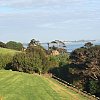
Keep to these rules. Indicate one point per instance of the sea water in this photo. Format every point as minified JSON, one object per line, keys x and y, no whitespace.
{"x":71,"y":46}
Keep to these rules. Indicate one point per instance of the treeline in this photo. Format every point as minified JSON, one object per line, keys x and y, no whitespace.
{"x":34,"y":59}
{"x":7,"y":58}
{"x":86,"y":65}
{"x":12,"y":45}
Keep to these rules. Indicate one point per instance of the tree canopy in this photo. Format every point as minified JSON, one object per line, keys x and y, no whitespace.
{"x":14,"y":45}
{"x":3,"y":45}
{"x":86,"y":67}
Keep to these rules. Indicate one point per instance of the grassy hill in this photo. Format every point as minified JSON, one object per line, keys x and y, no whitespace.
{"x":6,"y":56}
{"x":7,"y":51}
{"x":22,"y":86}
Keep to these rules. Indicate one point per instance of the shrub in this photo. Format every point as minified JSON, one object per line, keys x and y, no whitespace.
{"x":14,"y":45}
{"x":5,"y":61}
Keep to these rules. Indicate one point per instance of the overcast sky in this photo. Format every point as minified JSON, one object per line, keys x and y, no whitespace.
{"x":47,"y":20}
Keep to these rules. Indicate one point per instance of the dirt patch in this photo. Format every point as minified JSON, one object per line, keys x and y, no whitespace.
{"x":1,"y":98}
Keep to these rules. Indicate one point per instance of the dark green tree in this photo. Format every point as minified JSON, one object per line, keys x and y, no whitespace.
{"x":5,"y":61}
{"x":86,"y":67}
{"x":3,"y":45}
{"x":88,"y":45}
{"x":14,"y":45}
{"x":33,"y":60}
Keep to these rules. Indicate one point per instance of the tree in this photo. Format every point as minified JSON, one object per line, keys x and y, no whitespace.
{"x":86,"y":61}
{"x":24,"y":63}
{"x":5,"y":61}
{"x":93,"y":86}
{"x":58,"y":43}
{"x":3,"y":45}
{"x":33,"y":42}
{"x":48,"y":45}
{"x":33,"y":60}
{"x":86,"y":67}
{"x":88,"y":45}
{"x":14,"y":45}
{"x":39,"y":58}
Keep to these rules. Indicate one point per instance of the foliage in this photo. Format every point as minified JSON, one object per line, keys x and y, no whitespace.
{"x":3,"y":45}
{"x":22,"y":62}
{"x":40,"y":58}
{"x":59,"y":60}
{"x":88,"y":45}
{"x":33,"y":60}
{"x":6,"y":56}
{"x":53,"y":48}
{"x":8,"y":51}
{"x":5,"y":60}
{"x":14,"y":45}
{"x":93,"y":86}
{"x":59,"y":66}
{"x":87,"y":61}
{"x":86,"y":65}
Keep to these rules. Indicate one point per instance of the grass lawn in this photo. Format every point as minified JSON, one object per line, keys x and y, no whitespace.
{"x":8,"y":51}
{"x":22,"y":86}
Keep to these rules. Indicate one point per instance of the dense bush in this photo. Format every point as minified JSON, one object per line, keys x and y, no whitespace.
{"x":83,"y":69}
{"x":59,"y":66}
{"x":86,"y":61}
{"x":3,"y":45}
{"x":86,"y":66}
{"x":14,"y":45}
{"x":59,"y":60}
{"x":33,"y":60}
{"x":22,"y":62}
{"x":5,"y":61}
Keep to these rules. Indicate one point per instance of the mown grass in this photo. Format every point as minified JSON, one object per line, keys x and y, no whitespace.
{"x":8,"y":51}
{"x":21,"y":86}
{"x":72,"y":95}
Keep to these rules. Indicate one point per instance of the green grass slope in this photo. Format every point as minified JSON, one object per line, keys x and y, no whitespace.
{"x":7,"y":51}
{"x":21,"y":86}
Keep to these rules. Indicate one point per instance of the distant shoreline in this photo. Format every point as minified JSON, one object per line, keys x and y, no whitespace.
{"x":70,"y":46}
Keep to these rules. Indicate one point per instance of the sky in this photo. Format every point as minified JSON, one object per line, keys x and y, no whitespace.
{"x":47,"y":20}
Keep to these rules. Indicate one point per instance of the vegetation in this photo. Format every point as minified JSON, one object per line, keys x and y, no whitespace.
{"x":3,"y":45}
{"x":8,"y":51}
{"x":14,"y":45}
{"x":81,"y":68}
{"x":21,"y":86}
{"x":86,"y":65}
{"x":33,"y":60}
{"x":6,"y":57}
{"x":58,"y":60}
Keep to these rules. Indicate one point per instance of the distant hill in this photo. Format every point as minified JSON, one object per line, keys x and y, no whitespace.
{"x":22,"y":86}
